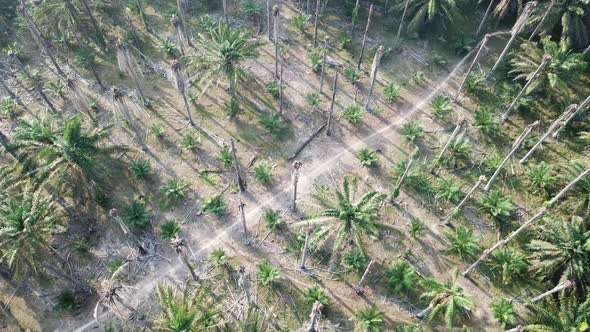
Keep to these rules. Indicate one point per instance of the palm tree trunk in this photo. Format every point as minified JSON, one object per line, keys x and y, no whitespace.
{"x":243,"y":282}
{"x":401,"y":24}
{"x":365,"y":38}
{"x":97,"y":77}
{"x":358,"y":288}
{"x":268,"y":20}
{"x":424,"y":313}
{"x":460,"y":124}
{"x":544,"y":63}
{"x":401,"y":180}
{"x":306,"y":248}
{"x":516,"y":29}
{"x":543,"y":18}
{"x":239,"y":179}
{"x":186,"y":262}
{"x":315,"y":23}
{"x":97,"y":31}
{"x":515,"y":147}
{"x":11,"y":93}
{"x":570,"y":117}
{"x":38,"y":85}
{"x":564,"y":285}
{"x":472,"y":65}
{"x":374,"y":69}
{"x":570,"y":109}
{"x":225,"y":14}
{"x":355,"y":12}
{"x":120,"y":105}
{"x":323,"y":72}
{"x":296,"y":166}
{"x":524,"y":226}
{"x":485,"y":18}
{"x":334,"y":89}
{"x":316,"y":311}
{"x":275,"y":11}
{"x":586,"y":50}
{"x":243,"y":218}
{"x":457,"y":208}
{"x":281,"y":90}
{"x":41,"y":42}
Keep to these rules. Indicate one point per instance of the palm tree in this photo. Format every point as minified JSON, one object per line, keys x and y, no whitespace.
{"x":560,"y":78}
{"x":568,"y":18}
{"x":565,"y":314}
{"x":67,"y":153}
{"x":506,"y":8}
{"x":504,"y":313}
{"x":463,"y":243}
{"x":499,"y":206}
{"x":582,"y":188}
{"x":193,"y":310}
{"x":447,"y":300}
{"x":224,"y":49}
{"x":449,"y":190}
{"x":28,"y":220}
{"x":369,"y":320}
{"x":560,"y":253}
{"x":511,"y":263}
{"x":60,"y":19}
{"x":430,"y":13}
{"x":401,"y":277}
{"x":266,"y":275}
{"x":345,"y":216}
{"x":541,"y":177}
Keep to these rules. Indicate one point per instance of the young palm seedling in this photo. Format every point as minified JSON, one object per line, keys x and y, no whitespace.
{"x":367,"y":157}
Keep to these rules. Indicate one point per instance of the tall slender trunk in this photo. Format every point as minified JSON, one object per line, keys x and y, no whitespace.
{"x":97,"y":77}
{"x":472,"y":65}
{"x":355,"y":13}
{"x":268,"y":20}
{"x":315,"y":23}
{"x":97,"y":30}
{"x":401,"y":24}
{"x":358,"y":288}
{"x":178,"y":244}
{"x":239,"y":179}
{"x":334,"y":89}
{"x":180,"y":84}
{"x":563,"y":285}
{"x":243,"y":282}
{"x":365,"y":38}
{"x":314,"y":317}
{"x":570,"y":109}
{"x":225,"y":14}
{"x":38,"y":85}
{"x":586,"y":50}
{"x":460,"y":124}
{"x":515,"y":147}
{"x":141,"y":13}
{"x":524,"y":226}
{"x":374,"y":70}
{"x":485,"y":18}
{"x":457,"y":208}
{"x":543,"y":18}
{"x":41,"y":42}
{"x":120,"y":105}
{"x":306,"y":248}
{"x":570,"y":117}
{"x":243,"y":219}
{"x":402,"y":178}
{"x":516,"y":29}
{"x":296,"y":166}
{"x":281,"y":90}
{"x":128,"y":64}
{"x":275,"y":11}
{"x":542,"y":65}
{"x":324,"y":59}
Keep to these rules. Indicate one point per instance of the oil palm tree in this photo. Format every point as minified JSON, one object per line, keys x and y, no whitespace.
{"x":446,"y":300}
{"x":463,"y":243}
{"x":568,"y":18}
{"x":60,"y":19}
{"x":28,"y":220}
{"x":561,"y":251}
{"x":565,"y":314}
{"x":582,"y":188}
{"x":499,"y":206}
{"x":401,"y":277}
{"x":430,"y":13}
{"x":345,"y":216}
{"x":560,"y":79}
{"x":510,"y":263}
{"x":67,"y":152}
{"x":504,"y":313}
{"x":223,"y":51}
{"x":541,"y":177}
{"x":192,"y":310}
{"x":369,"y":320}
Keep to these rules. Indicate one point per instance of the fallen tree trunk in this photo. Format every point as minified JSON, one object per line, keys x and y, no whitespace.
{"x":307,"y":141}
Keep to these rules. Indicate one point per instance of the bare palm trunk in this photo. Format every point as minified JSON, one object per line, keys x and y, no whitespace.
{"x":358,"y":288}
{"x":485,"y":18}
{"x":543,"y":18}
{"x":243,"y":219}
{"x":365,"y":38}
{"x":97,"y":30}
{"x":315,"y":23}
{"x":355,"y":12}
{"x":544,"y":63}
{"x":239,"y":179}
{"x":141,"y":13}
{"x":563,"y":285}
{"x":314,"y":317}
{"x":225,"y":14}
{"x":281,"y":90}
{"x":570,"y":117}
{"x":178,"y":244}
{"x":515,"y":147}
{"x":402,"y":178}
{"x":570,"y":109}
{"x":374,"y":70}
{"x":460,"y":124}
{"x":457,"y":208}
{"x":41,"y":42}
{"x":586,"y":50}
{"x":275,"y":11}
{"x":334,"y":89}
{"x":472,"y":65}
{"x":243,"y":282}
{"x":524,"y":226}
{"x":180,"y":84}
{"x":296,"y":166}
{"x":323,"y":72}
{"x":120,"y":105}
{"x":128,"y":64}
{"x":268,"y":19}
{"x":36,"y":84}
{"x":306,"y":249}
{"x":516,"y":29}
{"x":424,"y":313}
{"x":11,"y":93}
{"x":401,"y":24}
